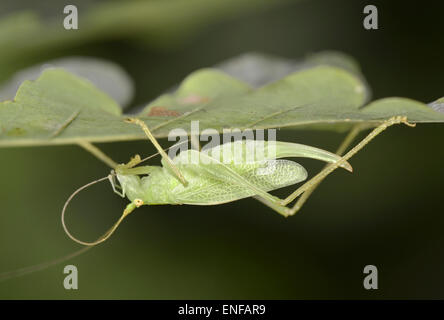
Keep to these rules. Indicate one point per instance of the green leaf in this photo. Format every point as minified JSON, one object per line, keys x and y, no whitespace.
{"x":300,"y":98}
{"x":258,"y":69}
{"x":45,"y":109}
{"x":60,"y":108}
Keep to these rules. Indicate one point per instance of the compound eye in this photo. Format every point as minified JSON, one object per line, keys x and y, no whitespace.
{"x":138,"y":202}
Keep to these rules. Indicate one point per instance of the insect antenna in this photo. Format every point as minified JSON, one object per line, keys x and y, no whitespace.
{"x":127,"y":210}
{"x":66,"y":205}
{"x":42,"y":266}
{"x":158,"y":153}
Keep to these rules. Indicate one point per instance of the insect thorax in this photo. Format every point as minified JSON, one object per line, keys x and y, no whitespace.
{"x":152,"y":189}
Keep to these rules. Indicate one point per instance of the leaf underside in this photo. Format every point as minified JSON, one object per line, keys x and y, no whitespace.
{"x":60,"y":108}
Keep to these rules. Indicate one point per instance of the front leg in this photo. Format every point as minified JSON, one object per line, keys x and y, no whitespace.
{"x":115,"y":186}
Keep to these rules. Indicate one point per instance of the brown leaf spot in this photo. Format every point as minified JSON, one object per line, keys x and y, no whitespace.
{"x":162,"y":112}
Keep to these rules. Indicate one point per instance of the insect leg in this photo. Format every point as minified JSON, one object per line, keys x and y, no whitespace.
{"x":283,"y":210}
{"x":153,"y":140}
{"x":99,"y":154}
{"x":136,"y":171}
{"x":134,"y":161}
{"x":309,"y":186}
{"x":112,"y":180}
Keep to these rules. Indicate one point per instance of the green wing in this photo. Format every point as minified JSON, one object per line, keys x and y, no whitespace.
{"x":248,"y":151}
{"x":208,"y":186}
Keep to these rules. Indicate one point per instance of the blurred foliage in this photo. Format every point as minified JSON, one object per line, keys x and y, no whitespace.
{"x":24,"y":36}
{"x":388,"y":213}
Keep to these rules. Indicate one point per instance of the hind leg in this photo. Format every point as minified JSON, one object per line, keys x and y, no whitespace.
{"x":281,"y":206}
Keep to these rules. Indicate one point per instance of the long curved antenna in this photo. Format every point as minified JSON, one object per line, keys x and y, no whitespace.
{"x":129,"y":208}
{"x":42,"y":266}
{"x":69,"y":200}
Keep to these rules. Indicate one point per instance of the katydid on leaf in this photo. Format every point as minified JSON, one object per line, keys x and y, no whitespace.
{"x":213,"y":180}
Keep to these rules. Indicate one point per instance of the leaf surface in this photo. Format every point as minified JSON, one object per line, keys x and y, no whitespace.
{"x":60,"y":108}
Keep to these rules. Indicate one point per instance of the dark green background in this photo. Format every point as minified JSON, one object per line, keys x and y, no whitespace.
{"x":389,"y":212}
